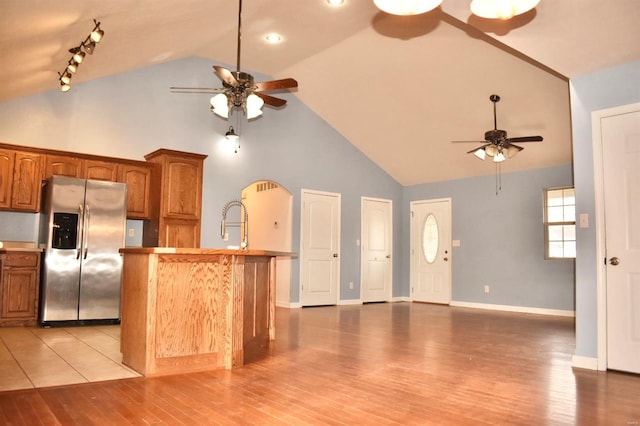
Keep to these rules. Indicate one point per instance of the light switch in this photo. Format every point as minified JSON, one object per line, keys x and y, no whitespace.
{"x":584,"y":220}
{"x":455,"y":243}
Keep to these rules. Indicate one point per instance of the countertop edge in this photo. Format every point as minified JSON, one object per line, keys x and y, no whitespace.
{"x":205,"y":251}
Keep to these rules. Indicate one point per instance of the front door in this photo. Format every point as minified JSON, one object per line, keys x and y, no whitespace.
{"x":431,"y":251}
{"x":621,"y":178}
{"x":376,"y":269}
{"x":320,"y":242}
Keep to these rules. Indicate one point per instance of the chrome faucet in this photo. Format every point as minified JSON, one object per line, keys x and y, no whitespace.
{"x":244,"y":223}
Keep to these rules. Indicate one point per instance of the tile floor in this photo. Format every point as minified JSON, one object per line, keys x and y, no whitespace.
{"x":33,"y":357}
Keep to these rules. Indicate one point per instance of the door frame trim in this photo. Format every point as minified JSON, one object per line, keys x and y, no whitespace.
{"x":338,"y":195}
{"x":389,"y":296}
{"x":598,"y":180}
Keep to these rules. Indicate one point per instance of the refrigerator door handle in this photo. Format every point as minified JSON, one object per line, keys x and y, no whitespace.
{"x":79,"y":232}
{"x":86,"y":231}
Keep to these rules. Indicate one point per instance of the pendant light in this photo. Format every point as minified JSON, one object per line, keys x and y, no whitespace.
{"x":501,"y":9}
{"x":407,"y":7}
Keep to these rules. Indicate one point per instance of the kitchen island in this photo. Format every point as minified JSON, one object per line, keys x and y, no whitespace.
{"x":191,"y":309}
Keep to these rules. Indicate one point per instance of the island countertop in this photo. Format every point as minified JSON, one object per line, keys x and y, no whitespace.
{"x":195,"y":309}
{"x":205,"y":251}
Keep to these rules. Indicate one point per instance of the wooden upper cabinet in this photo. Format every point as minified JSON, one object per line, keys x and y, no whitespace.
{"x":176,"y":199}
{"x":27,"y":182}
{"x":7,"y":158}
{"x":63,"y":166}
{"x":183,"y":179}
{"x":138,"y":180}
{"x":100,"y":170}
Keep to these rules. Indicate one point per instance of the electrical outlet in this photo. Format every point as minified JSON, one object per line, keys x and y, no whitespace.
{"x":351,"y":285}
{"x":486,"y":288}
{"x":132,"y":232}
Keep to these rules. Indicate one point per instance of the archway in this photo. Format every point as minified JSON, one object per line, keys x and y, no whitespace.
{"x":270,"y":209}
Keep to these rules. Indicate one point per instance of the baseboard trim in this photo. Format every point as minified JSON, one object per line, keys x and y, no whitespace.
{"x":585,"y":362}
{"x":401,"y":299}
{"x":508,"y":308}
{"x":294,"y":305}
{"x":350,"y":302}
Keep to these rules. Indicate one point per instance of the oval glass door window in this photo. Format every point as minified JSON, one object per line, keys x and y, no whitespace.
{"x":430,"y":238}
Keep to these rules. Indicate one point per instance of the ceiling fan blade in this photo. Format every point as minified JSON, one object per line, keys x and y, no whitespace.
{"x":468,"y":141}
{"x":271,"y":100}
{"x":526,"y":139}
{"x":226,"y":76}
{"x":285,"y":83}
{"x":195,"y":89}
{"x":480,"y":147}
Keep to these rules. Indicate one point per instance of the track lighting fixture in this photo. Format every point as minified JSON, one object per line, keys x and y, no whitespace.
{"x":78,"y":53}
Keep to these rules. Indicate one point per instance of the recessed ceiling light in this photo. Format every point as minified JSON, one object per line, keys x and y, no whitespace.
{"x":335,"y":2}
{"x":273,"y":38}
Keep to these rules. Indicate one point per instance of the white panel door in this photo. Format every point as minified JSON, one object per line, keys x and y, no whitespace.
{"x":319,"y":261}
{"x":621,"y":171}
{"x":376,"y":239}
{"x":431,"y":251}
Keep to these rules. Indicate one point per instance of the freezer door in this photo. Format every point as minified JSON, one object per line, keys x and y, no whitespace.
{"x":104,"y":233}
{"x":61,"y":272}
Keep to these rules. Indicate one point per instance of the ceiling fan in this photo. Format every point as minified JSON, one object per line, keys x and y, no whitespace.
{"x":496,"y":142}
{"x":239,"y":90}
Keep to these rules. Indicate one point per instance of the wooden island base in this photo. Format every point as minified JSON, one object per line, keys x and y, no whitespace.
{"x":186,"y":310}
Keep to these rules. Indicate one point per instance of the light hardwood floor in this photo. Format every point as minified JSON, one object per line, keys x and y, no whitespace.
{"x":382,"y":364}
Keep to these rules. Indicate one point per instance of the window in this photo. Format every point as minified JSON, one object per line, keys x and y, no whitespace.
{"x":560,"y":223}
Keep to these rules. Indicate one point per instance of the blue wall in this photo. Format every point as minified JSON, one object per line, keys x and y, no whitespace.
{"x":501,"y":239}
{"x":604,"y":89}
{"x":129,"y":115}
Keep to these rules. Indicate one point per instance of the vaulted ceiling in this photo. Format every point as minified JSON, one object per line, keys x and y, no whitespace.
{"x":399,"y":88}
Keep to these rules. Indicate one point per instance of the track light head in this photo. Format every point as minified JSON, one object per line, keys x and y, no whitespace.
{"x":97,"y":33}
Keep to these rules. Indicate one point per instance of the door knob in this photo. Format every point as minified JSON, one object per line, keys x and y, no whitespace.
{"x":446,"y":259}
{"x":335,"y":254}
{"x":388,"y":256}
{"x":614,"y":261}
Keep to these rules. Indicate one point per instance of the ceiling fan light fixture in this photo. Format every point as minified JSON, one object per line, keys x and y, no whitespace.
{"x":406,"y":7}
{"x":220,"y":105}
{"x":480,"y":153}
{"x":254,"y":106}
{"x":231,"y":135}
{"x":501,"y":9}
{"x":513,"y":150}
{"x":499,"y":157}
{"x":492,"y":150}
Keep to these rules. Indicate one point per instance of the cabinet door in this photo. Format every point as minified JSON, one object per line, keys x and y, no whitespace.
{"x":138,"y":180}
{"x":7,"y":158}
{"x":101,"y":170}
{"x":183,"y":182}
{"x":27,"y":182}
{"x":180,"y":233}
{"x":63,"y":166}
{"x":19,"y":287}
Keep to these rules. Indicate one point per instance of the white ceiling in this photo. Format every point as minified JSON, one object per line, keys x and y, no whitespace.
{"x":398,"y":88}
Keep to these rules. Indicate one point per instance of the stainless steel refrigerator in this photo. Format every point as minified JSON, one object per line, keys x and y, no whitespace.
{"x":82,"y":228}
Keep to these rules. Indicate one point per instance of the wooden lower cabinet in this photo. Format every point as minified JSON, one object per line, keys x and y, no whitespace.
{"x":19,"y":288}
